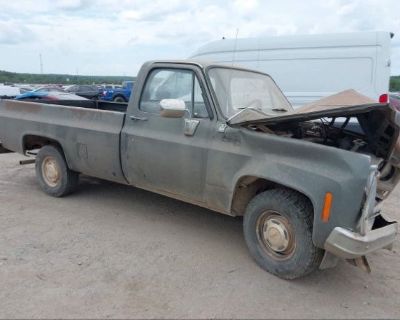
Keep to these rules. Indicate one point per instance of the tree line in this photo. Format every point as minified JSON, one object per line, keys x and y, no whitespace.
{"x":13,"y":77}
{"x":395,"y":83}
{"x":31,"y":78}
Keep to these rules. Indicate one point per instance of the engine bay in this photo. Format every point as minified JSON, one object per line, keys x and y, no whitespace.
{"x":372,"y":133}
{"x":325,"y":131}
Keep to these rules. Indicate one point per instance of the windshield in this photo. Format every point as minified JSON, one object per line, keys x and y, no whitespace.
{"x":237,"y":90}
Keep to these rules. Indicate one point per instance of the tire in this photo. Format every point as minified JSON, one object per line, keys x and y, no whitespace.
{"x":119,"y":99}
{"x":53,"y":174}
{"x":278,"y":231}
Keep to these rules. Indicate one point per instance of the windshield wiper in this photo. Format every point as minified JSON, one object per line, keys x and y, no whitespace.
{"x":261,"y":109}
{"x":246,"y":114}
{"x":241,"y":108}
{"x":279,"y":110}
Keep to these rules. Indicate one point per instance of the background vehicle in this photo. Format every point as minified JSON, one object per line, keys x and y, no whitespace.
{"x":227,"y":139}
{"x":24,"y":88}
{"x":118,"y":94}
{"x":8,"y":91}
{"x":49,"y":88}
{"x":86,"y":91}
{"x":109,"y":86}
{"x":309,"y":67}
{"x":49,"y":94}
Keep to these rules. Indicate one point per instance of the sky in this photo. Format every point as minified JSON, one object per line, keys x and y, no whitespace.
{"x":108,"y":37}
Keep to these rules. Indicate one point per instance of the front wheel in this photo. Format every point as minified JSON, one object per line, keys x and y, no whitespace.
{"x":278,"y":231}
{"x":52,"y":172}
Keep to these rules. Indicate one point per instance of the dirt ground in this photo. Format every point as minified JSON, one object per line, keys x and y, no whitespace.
{"x":112,"y":251}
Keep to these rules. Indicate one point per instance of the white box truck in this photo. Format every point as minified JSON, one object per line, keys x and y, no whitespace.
{"x":310,"y":67}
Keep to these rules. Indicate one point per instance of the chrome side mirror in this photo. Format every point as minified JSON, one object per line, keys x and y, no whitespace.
{"x":172,"y":108}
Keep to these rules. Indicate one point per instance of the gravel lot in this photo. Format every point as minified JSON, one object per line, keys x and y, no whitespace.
{"x":119,"y":252}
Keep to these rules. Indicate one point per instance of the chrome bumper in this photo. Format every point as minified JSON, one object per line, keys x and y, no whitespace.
{"x":350,"y":245}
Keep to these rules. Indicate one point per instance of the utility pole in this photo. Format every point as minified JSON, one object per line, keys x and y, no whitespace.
{"x":41,"y":63}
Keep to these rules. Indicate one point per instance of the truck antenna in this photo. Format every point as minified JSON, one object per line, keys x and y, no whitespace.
{"x":234,"y":47}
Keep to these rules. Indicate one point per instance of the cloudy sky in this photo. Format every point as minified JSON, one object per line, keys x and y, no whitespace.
{"x":114,"y":37}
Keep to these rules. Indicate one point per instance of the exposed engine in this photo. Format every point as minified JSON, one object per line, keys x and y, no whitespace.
{"x":370,"y":133}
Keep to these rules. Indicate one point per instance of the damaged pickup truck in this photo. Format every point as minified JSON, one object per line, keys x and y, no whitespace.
{"x":309,"y":183}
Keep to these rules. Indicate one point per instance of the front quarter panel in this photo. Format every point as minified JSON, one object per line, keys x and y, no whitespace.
{"x":307,"y":167}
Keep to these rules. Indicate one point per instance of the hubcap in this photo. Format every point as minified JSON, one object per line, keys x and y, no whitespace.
{"x":275,"y":234}
{"x":51,"y":171}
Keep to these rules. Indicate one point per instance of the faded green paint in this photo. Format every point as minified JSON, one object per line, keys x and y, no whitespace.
{"x":204,"y":169}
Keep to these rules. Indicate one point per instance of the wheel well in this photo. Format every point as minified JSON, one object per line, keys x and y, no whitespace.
{"x":248,"y":187}
{"x":32,"y":142}
{"x":119,"y":96}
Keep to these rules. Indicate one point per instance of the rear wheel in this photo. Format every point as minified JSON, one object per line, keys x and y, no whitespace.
{"x":278,"y":231}
{"x":53,"y":174}
{"x":119,"y":99}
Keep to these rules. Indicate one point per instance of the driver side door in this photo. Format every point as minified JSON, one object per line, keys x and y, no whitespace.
{"x":169,"y":155}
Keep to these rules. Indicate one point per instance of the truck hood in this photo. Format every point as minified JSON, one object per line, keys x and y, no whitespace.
{"x":343,"y":104}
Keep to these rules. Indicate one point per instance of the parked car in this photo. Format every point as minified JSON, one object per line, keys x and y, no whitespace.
{"x":42,"y":94}
{"x":49,"y":88}
{"x":86,"y":91}
{"x":227,"y":139}
{"x":7,"y":91}
{"x":25,"y":89}
{"x":118,"y":94}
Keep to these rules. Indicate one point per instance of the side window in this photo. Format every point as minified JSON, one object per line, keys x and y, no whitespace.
{"x":173,"y":84}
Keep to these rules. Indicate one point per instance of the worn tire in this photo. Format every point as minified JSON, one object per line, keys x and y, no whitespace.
{"x":296,"y":211}
{"x":59,"y":179}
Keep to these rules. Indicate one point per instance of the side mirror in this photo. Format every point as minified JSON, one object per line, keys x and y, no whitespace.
{"x":172,"y":108}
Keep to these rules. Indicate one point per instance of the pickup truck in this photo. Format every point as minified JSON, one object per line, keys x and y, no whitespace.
{"x":226,"y":138}
{"x":121,"y":94}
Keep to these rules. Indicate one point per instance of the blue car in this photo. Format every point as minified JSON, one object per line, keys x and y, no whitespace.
{"x":118,"y":94}
{"x":48,"y":93}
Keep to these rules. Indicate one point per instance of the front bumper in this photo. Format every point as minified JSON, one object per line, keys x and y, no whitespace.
{"x":347,"y":244}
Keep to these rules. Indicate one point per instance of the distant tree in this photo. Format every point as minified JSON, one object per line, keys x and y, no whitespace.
{"x":395,"y":83}
{"x":12,"y":77}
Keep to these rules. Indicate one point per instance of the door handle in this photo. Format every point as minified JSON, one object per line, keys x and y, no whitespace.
{"x":138,"y":118}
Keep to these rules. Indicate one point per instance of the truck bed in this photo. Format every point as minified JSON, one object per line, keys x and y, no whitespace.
{"x":89,"y":104}
{"x":86,"y":130}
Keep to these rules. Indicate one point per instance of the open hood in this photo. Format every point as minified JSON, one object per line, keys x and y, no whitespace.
{"x":343,"y":104}
{"x":375,"y":133}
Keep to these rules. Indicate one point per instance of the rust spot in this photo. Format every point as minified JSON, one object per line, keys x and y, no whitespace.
{"x":20,"y":106}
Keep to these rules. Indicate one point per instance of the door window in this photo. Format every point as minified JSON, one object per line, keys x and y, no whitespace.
{"x":173,"y":84}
